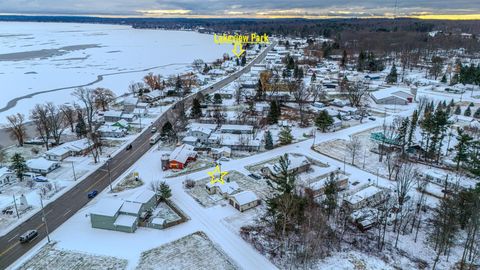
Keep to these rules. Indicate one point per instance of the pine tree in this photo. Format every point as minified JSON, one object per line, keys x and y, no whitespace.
{"x":458,"y":110}
{"x":81,"y":127}
{"x":268,"y":140}
{"x":272,"y":117}
{"x":165,"y":191}
{"x":402,"y":133}
{"x":343,"y":62}
{"x":462,"y":147}
{"x":285,"y":136}
{"x":392,"y":76}
{"x":468,"y":111}
{"x":323,"y":121}
{"x":444,"y":79}
{"x":413,"y":127}
{"x":361,"y":61}
{"x":244,"y":59}
{"x":196,"y":111}
{"x":331,"y":194}
{"x":477,"y":113}
{"x":314,"y":77}
{"x":217,"y":98}
{"x":259,"y":93}
{"x":178,"y":84}
{"x":18,"y":165}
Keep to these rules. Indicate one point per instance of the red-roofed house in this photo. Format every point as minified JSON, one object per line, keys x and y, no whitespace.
{"x":181,"y":156}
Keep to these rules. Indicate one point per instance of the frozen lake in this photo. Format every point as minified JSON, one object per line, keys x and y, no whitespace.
{"x":41,"y":57}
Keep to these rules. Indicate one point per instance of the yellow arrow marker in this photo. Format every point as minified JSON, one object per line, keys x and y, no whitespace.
{"x":237,"y":49}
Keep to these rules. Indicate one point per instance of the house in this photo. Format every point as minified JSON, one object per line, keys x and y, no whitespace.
{"x":201,"y":131}
{"x":236,"y":129}
{"x":112,"y":116}
{"x":122,"y":124}
{"x":190,"y":140}
{"x":153,"y":96}
{"x":244,"y":200}
{"x":217,"y":153}
{"x":6,"y":176}
{"x":368,"y":196}
{"x":226,"y":189}
{"x":129,"y":104}
{"x":299,"y":164}
{"x":73,"y":148}
{"x":140,"y":112}
{"x":130,"y":117}
{"x":111,"y":131}
{"x":393,"y":96}
{"x":318,"y":187}
{"x":107,"y":215}
{"x":180,"y":157}
{"x":42,"y":165}
{"x":239,"y":142}
{"x":146,"y":198}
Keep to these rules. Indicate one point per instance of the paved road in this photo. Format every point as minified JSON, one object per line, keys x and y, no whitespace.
{"x":73,"y":200}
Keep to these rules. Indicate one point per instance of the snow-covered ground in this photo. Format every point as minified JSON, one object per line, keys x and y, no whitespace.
{"x":36,"y":57}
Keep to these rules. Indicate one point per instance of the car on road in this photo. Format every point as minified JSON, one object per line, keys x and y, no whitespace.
{"x":372,"y":118}
{"x":40,"y":178}
{"x":128,"y":147}
{"x":211,"y":87}
{"x":28,"y":236}
{"x":153,"y":129}
{"x":92,"y":194}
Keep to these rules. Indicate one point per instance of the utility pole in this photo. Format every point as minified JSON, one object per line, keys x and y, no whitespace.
{"x":16,"y":209}
{"x":44,"y":219}
{"x":74,"y":174}
{"x":109,"y":175}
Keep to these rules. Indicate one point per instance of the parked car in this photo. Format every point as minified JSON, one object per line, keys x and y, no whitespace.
{"x":372,"y":118}
{"x":40,"y":178}
{"x":224,"y":159}
{"x":92,"y":194}
{"x":28,"y":236}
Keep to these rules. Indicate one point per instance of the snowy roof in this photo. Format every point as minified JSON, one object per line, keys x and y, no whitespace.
{"x":78,"y":145}
{"x":221,"y":150}
{"x":107,"y":207}
{"x":399,"y":92}
{"x":109,"y":128}
{"x":229,"y":187}
{"x":245,"y":197}
{"x":142,"y":196}
{"x":40,"y":164}
{"x":190,"y":139}
{"x":236,"y":127}
{"x":158,"y":221}
{"x":363,"y":194}
{"x":122,"y":122}
{"x":58,"y":151}
{"x":130,"y":100}
{"x":204,"y":128}
{"x":228,"y":139}
{"x":295,"y":163}
{"x":125,"y":220}
{"x":182,"y":153}
{"x":4,"y":170}
{"x":112,"y":113}
{"x":131,"y":207}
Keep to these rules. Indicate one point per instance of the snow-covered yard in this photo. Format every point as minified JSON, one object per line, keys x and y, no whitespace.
{"x":194,"y":251}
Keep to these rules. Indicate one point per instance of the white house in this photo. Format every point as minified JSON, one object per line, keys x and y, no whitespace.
{"x":236,"y":129}
{"x":201,"y":131}
{"x":41,"y":165}
{"x":244,"y":200}
{"x":393,"y":95}
{"x":112,"y":131}
{"x":6,"y":176}
{"x":73,"y":148}
{"x":368,"y":196}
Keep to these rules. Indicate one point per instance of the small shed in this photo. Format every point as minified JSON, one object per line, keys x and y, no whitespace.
{"x":125,"y":223}
{"x":244,"y":200}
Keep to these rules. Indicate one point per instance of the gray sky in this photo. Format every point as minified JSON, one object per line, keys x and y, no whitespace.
{"x":241,"y":8}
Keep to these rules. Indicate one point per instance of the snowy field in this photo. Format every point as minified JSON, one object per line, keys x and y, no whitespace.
{"x":38,"y":57}
{"x":194,"y":251}
{"x":52,"y":258}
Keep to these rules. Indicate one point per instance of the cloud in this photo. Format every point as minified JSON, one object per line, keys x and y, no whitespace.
{"x":244,"y":8}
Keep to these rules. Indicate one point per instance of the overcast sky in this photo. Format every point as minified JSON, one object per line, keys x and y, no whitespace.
{"x":241,"y":8}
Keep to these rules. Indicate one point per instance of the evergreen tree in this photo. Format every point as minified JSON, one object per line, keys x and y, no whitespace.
{"x":217,"y":98}
{"x":244,"y":60}
{"x":165,"y":191}
{"x":402,"y":133}
{"x":468,"y":111}
{"x":259,"y":93}
{"x":18,"y":165}
{"x":331,"y":194}
{"x":452,"y":103}
{"x":323,"y":121}
{"x":314,"y":77}
{"x":237,"y":62}
{"x":444,"y":79}
{"x":413,"y":127}
{"x":458,"y":110}
{"x":392,"y":76}
{"x":343,"y":62}
{"x":362,"y":58}
{"x":268,"y":140}
{"x":178,"y":84}
{"x":477,"y":113}
{"x":285,"y":136}
{"x":462,"y":147}
{"x":196,"y":111}
{"x":272,"y":117}
{"x":81,"y":127}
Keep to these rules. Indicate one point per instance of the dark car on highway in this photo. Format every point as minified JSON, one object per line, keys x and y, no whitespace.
{"x":128,"y":147}
{"x":92,"y":194}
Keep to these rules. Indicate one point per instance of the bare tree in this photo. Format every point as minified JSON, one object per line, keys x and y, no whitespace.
{"x":153,"y":81}
{"x":354,"y":147}
{"x":39,"y":116}
{"x":86,"y":97}
{"x":70,"y":114}
{"x":356,"y":93}
{"x":95,"y":139}
{"x":136,"y":87}
{"x":301,"y":95}
{"x":405,"y":181}
{"x":56,"y":121}
{"x":102,"y":97}
{"x":198,"y":65}
{"x":16,"y":127}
